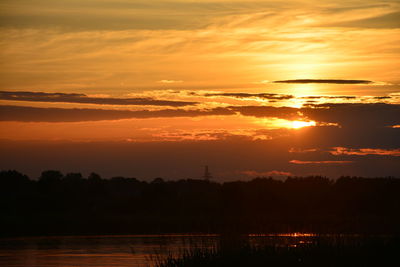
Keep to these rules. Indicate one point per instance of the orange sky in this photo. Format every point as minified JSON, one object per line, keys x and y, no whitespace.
{"x":185,"y":71}
{"x":120,"y":47}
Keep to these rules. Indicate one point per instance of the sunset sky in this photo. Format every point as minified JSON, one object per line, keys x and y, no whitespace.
{"x":162,"y":88}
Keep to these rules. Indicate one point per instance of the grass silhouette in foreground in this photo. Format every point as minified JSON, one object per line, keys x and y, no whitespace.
{"x":365,"y":253}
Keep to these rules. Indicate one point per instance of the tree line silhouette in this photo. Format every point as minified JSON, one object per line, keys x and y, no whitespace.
{"x":57,"y":204}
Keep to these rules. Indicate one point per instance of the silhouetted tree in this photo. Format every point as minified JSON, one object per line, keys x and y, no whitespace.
{"x":50,"y":176}
{"x":72,"y":205}
{"x":94,"y":177}
{"x":158,"y":180}
{"x":13,"y":177}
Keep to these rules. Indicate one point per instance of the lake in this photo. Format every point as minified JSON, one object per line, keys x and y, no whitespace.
{"x":132,"y":250}
{"x":95,"y":250}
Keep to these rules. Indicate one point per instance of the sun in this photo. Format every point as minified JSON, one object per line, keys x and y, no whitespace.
{"x":273,"y":123}
{"x":301,"y":124}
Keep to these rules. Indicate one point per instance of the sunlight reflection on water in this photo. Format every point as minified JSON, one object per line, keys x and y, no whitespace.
{"x":95,"y":250}
{"x":138,"y":250}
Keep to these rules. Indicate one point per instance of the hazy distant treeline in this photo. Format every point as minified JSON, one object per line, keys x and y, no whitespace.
{"x":72,"y":204}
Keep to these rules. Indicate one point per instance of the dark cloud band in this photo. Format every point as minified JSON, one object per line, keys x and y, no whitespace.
{"x":349,"y":116}
{"x":334,"y":81}
{"x":34,"y":114}
{"x":84,"y":99}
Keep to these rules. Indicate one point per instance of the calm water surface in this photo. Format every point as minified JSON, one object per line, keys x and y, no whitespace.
{"x":95,"y":250}
{"x":113,"y":250}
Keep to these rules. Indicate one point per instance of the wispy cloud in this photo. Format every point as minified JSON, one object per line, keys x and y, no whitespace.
{"x":213,"y":44}
{"x":268,"y":96}
{"x":382,"y":21}
{"x":268,"y":111}
{"x":337,"y":97}
{"x":170,"y":81}
{"x":204,"y":135}
{"x":345,"y":151}
{"x":365,"y":151}
{"x":302,"y":150}
{"x":320,"y":161}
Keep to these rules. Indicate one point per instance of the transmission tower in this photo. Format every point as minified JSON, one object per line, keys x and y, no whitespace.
{"x":207,"y":175}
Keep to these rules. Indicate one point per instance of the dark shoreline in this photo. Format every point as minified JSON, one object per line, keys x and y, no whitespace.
{"x":58,"y":204}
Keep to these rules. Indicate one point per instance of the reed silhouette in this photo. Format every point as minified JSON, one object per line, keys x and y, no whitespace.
{"x":362,"y":252}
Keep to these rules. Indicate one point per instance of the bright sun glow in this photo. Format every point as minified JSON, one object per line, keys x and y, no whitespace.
{"x":301,"y":124}
{"x":272,"y":123}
